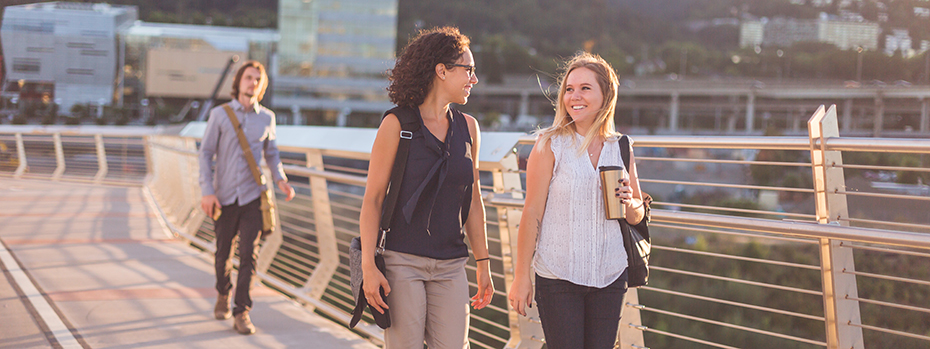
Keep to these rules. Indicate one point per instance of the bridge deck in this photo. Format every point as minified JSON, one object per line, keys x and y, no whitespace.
{"x":91,"y":266}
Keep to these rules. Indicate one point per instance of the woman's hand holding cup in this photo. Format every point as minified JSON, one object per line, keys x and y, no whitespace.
{"x":624,"y":192}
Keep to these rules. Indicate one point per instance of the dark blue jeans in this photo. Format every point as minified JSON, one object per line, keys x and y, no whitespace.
{"x":572,"y":314}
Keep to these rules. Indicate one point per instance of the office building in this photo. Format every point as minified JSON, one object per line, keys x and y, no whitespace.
{"x":327,"y":57}
{"x":750,"y":33}
{"x":849,"y":31}
{"x":73,"y":49}
{"x":184,"y":61}
{"x":899,"y":41}
{"x":332,"y":56}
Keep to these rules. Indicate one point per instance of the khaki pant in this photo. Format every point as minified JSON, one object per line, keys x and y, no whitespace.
{"x":428,"y":300}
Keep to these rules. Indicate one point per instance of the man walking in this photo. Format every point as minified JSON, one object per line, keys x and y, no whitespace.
{"x":233,"y":186}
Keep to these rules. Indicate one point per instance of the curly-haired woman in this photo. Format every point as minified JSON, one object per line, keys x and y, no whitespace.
{"x":577,"y":252}
{"x":425,"y":253}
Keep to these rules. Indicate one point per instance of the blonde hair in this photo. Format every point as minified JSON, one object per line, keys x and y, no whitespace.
{"x":604,"y":121}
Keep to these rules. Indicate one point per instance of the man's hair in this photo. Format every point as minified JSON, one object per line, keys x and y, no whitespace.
{"x":254,"y":64}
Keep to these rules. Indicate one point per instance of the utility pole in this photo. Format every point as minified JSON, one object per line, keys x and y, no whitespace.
{"x":683,"y":64}
{"x":859,"y":64}
{"x":927,"y":67}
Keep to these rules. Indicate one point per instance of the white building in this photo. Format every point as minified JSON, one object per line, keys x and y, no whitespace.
{"x":329,"y":56}
{"x":846,"y":32}
{"x":899,"y":40}
{"x":849,"y":34}
{"x":922,"y":12}
{"x":72,"y":46}
{"x":750,"y":33}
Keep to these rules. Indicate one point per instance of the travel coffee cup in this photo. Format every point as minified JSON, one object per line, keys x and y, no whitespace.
{"x":610,"y":179}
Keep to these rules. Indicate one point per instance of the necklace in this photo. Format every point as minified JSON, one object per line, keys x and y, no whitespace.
{"x":591,"y":152}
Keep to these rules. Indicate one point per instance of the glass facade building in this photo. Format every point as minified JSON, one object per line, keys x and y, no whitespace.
{"x":332,"y":56}
{"x":326,"y":60}
{"x":336,"y":38}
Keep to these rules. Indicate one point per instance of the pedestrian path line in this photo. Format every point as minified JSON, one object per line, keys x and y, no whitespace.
{"x":59,"y":330}
{"x":82,"y":241}
{"x":150,"y":293}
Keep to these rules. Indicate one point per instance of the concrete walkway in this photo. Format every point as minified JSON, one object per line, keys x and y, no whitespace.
{"x":91,"y":266}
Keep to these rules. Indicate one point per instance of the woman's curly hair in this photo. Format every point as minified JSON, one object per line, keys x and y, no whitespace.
{"x":412,"y":76}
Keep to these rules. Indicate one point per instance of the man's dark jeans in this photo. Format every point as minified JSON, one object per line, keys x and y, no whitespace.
{"x":572,"y":314}
{"x":247,"y":222}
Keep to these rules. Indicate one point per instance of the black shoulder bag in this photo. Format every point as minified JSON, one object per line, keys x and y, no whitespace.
{"x":636,"y":238}
{"x":409,"y":123}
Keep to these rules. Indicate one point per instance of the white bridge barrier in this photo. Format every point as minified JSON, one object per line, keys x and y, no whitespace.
{"x":767,"y":263}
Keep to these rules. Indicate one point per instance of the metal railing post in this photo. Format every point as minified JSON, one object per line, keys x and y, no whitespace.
{"x":195,"y":219}
{"x":59,"y":158}
{"x":102,"y":166}
{"x":147,"y":151}
{"x":630,"y":331}
{"x":836,"y":261}
{"x":878,"y":120}
{"x":21,"y":152}
{"x":325,"y":230}
{"x":750,"y":111}
{"x":673,"y":112}
{"x":191,"y":186}
{"x":525,"y":332}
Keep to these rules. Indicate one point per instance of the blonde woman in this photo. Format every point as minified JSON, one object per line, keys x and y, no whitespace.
{"x":577,"y":253}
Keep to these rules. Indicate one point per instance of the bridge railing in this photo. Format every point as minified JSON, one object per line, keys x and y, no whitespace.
{"x":759,"y":241}
{"x":111,"y":157}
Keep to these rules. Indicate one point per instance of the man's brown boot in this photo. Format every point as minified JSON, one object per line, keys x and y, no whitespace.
{"x":243,"y":323}
{"x":222,"y":310}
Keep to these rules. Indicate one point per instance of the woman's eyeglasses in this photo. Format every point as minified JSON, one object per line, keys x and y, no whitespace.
{"x":470,"y":69}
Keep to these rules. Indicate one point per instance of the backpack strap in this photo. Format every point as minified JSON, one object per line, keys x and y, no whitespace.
{"x":409,"y":123}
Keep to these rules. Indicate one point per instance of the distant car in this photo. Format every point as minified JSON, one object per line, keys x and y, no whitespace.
{"x":902,"y":83}
{"x":851,"y":84}
{"x":878,"y":83}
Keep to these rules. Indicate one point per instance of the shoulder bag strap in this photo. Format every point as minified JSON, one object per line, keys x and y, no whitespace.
{"x":409,"y":123}
{"x":625,"y":152}
{"x":246,"y":150}
{"x":625,"y":156}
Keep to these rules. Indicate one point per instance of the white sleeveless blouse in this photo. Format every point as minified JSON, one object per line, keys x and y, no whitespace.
{"x":576,"y":241}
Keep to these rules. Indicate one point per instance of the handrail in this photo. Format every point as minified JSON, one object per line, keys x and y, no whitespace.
{"x":796,"y":229}
{"x":787,"y":228}
{"x":888,"y":145}
{"x":335,"y":189}
{"x":330,"y":176}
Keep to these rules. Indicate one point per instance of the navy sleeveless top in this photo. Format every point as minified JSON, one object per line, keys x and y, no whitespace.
{"x":435,"y":194}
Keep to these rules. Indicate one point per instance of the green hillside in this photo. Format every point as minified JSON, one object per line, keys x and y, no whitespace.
{"x":527,"y":36}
